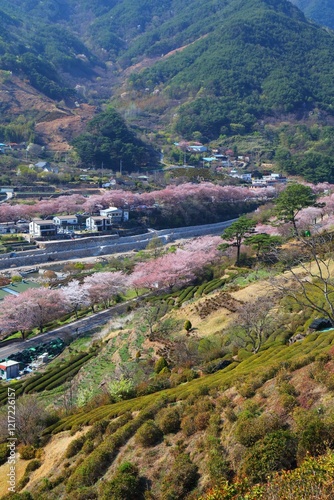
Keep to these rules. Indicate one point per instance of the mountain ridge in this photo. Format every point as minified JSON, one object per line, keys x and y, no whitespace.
{"x":212,"y":69}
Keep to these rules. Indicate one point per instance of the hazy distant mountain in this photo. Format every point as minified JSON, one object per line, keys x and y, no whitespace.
{"x":321,"y":11}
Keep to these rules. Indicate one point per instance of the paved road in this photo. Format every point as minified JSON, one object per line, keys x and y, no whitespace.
{"x":76,"y":328}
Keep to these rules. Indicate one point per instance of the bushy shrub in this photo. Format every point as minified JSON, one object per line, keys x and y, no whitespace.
{"x":203,"y":404}
{"x":180,"y":479}
{"x":23,"y":482}
{"x":87,"y":473}
{"x":160,"y":364}
{"x":26,"y":495}
{"x":249,"y":430}
{"x":27,"y":452}
{"x":216,"y":364}
{"x":149,"y":434}
{"x":217,"y":465}
{"x":288,"y":402}
{"x":84,"y":493}
{"x":3,"y":453}
{"x":276,"y":451}
{"x":88,"y":446}
{"x":201,"y":420}
{"x":187,"y":325}
{"x":315,"y":433}
{"x":168,"y":420}
{"x":74,"y":447}
{"x":125,"y":485}
{"x":231,"y":415}
{"x":188,"y":425}
{"x":287,"y":388}
{"x":185,"y":375}
{"x":33,"y":465}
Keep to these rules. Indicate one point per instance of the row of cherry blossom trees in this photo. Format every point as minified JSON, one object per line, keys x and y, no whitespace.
{"x":176,"y":268}
{"x":319,"y":216}
{"x":37,"y":307}
{"x":171,"y":196}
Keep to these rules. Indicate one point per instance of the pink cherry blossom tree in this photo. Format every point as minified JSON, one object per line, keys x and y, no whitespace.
{"x":102,"y":287}
{"x":77,"y":296}
{"x":30,"y":309}
{"x":176,"y":268}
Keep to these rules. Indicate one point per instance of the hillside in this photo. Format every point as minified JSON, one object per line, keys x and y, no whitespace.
{"x":157,"y":410}
{"x":164,"y":68}
{"x":211,"y":426}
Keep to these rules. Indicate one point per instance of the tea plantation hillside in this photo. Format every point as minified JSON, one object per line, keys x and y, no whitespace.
{"x":205,"y":418}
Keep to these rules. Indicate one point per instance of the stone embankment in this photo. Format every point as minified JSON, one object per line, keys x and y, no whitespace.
{"x":103,"y":245}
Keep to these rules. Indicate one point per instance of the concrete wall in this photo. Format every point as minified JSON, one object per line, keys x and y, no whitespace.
{"x":103,"y":245}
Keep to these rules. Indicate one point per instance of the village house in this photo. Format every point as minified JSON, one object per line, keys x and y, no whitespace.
{"x":224,"y":160}
{"x":269,"y":180}
{"x":99,"y":223}
{"x":8,"y":228}
{"x":39,"y":228}
{"x":197,"y":149}
{"x":107,"y":219}
{"x":9,"y":369}
{"x":45,"y":166}
{"x":4,"y":148}
{"x":116,"y":214}
{"x":65,"y":220}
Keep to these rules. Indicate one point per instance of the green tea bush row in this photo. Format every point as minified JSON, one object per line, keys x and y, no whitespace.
{"x":33,"y":382}
{"x":38,"y":378}
{"x":74,"y":447}
{"x":184,"y":293}
{"x":94,"y":466}
{"x":199,"y":291}
{"x":71,"y":373}
{"x":190,"y":294}
{"x":213,"y":285}
{"x":48,"y":383}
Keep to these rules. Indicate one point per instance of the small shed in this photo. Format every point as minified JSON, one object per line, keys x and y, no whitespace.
{"x":320,"y":324}
{"x":9,"y":369}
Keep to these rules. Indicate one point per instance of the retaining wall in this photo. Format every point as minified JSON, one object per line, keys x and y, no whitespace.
{"x":104,"y":245}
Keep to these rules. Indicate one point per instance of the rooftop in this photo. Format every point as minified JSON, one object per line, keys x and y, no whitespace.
{"x":17,"y":288}
{"x":7,"y":363}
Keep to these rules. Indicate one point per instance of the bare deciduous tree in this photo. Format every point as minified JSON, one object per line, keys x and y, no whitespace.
{"x":30,"y":420}
{"x":255,"y":323}
{"x":309,"y":275}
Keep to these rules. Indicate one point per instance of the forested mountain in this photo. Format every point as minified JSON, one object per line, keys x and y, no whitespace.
{"x":201,"y":69}
{"x":321,"y":11}
{"x":38,"y":48}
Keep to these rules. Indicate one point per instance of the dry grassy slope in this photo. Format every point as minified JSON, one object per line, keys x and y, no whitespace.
{"x":53,"y":456}
{"x":55,"y":125}
{"x":57,"y":132}
{"x":219,"y":319}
